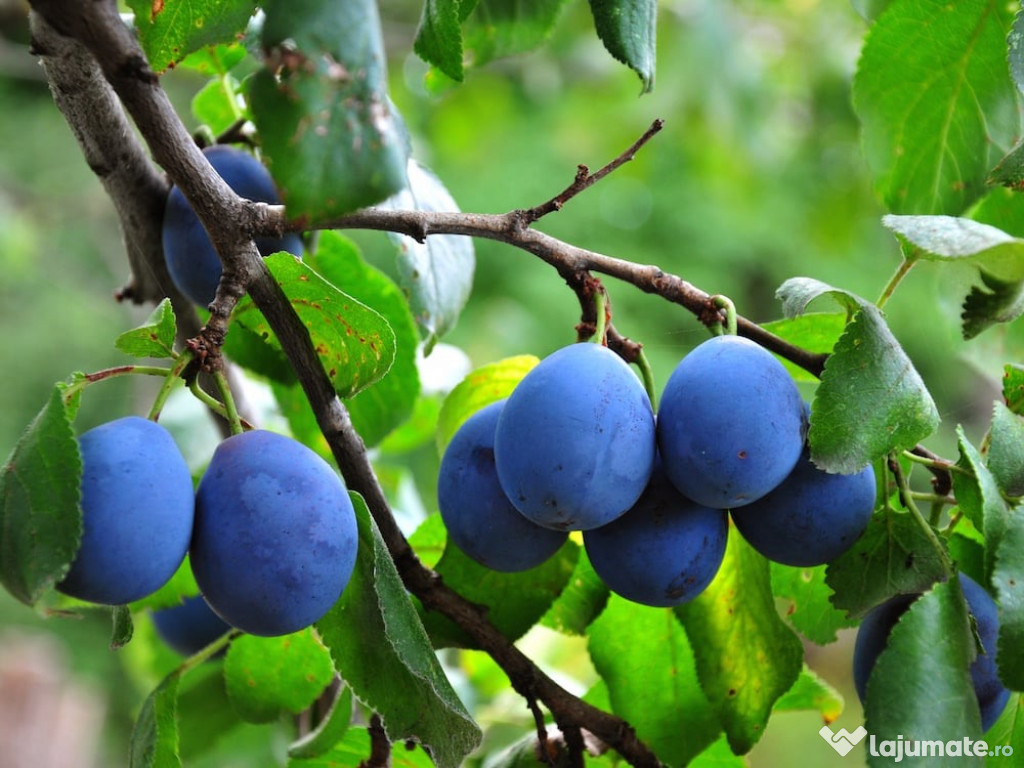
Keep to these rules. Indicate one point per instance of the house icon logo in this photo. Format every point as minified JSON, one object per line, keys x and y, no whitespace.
{"x":842,"y":741}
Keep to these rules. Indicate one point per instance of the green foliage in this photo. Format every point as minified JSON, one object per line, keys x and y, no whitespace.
{"x":154,"y":338}
{"x":628,"y":31}
{"x":1008,"y":580}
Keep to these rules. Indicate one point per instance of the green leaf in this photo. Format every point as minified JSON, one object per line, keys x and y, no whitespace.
{"x":439,"y":37}
{"x":355,"y":343}
{"x":1009,"y":172}
{"x":948,"y":238}
{"x":214,"y":104}
{"x":378,"y":409}
{"x":920,"y":686}
{"x":746,"y":656}
{"x":40,"y":491}
{"x":998,"y":302}
{"x":204,"y":713}
{"x":171,"y":29}
{"x":894,"y":556}
{"x":644,"y":658}
{"x":499,"y":28}
{"x":1006,"y":450}
{"x":978,"y":496}
{"x":871,"y":401}
{"x":813,"y":331}
{"x":181,"y":585}
{"x":810,"y":609}
{"x":154,"y":742}
{"x":1015,"y":43}
{"x":627,"y":28}
{"x":1008,"y":730}
{"x":719,"y":755}
{"x":154,"y":338}
{"x":354,"y":750}
{"x":812,"y":692}
{"x":935,"y":101}
{"x":437,"y":274}
{"x":329,"y":731}
{"x":123,"y":627}
{"x":1008,"y":580}
{"x":331,"y":137}
{"x":1013,"y":388}
{"x":215,"y":59}
{"x":582,"y":600}
{"x":383,"y":653}
{"x":267,"y":675}
{"x":485,"y":385}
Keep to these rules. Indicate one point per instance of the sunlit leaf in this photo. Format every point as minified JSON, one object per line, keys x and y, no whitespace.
{"x":154,"y":338}
{"x":812,"y":692}
{"x":810,"y":608}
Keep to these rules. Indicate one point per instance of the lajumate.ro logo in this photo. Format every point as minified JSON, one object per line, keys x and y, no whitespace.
{"x":842,"y":741}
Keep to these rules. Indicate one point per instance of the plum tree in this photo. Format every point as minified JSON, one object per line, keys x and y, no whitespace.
{"x":873,"y":635}
{"x":574,"y":444}
{"x":730,"y":424}
{"x":189,"y":627}
{"x":662,"y":552}
{"x":478,"y":515}
{"x":275,"y":534}
{"x":191,"y":259}
{"x":811,"y":518}
{"x":137,"y":512}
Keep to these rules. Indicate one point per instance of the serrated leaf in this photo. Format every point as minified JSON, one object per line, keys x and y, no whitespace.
{"x":331,"y":138}
{"x":1009,"y":172}
{"x":894,"y":556}
{"x":810,"y":609}
{"x":439,"y":37}
{"x":378,"y":409}
{"x":499,"y":28}
{"x":1008,"y":580}
{"x":935,"y":101}
{"x":40,"y":492}
{"x":328,"y":732}
{"x":948,"y":238}
{"x":647,"y":663}
{"x":380,"y":647}
{"x":437,"y":275}
{"x":812,"y":692}
{"x":1006,"y":450}
{"x":996,"y":302}
{"x":515,"y":601}
{"x":483,"y":386}
{"x":582,"y":600}
{"x":169,"y":30}
{"x":1013,"y":388}
{"x":813,"y":331}
{"x":746,"y":656}
{"x":928,"y":653}
{"x":266,"y":676}
{"x":154,"y":742}
{"x":977,"y":494}
{"x":355,"y":343}
{"x":628,"y":30}
{"x":154,"y":338}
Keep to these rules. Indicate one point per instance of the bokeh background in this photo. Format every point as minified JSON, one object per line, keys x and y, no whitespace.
{"x":757,"y":176}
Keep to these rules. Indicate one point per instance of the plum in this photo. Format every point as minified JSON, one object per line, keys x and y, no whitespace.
{"x":191,"y":259}
{"x":873,"y":636}
{"x":480,"y":519}
{"x":664,"y":551}
{"x":189,"y":627}
{"x":137,"y":512}
{"x":731,"y":423}
{"x":574,"y":444}
{"x":275,"y":534}
{"x":811,"y":518}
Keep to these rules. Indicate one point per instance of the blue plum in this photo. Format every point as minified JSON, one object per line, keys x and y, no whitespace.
{"x":191,"y":258}
{"x":811,"y":518}
{"x":664,"y":551}
{"x":137,"y":512}
{"x":189,"y":627}
{"x":574,"y":445}
{"x":480,"y":519}
{"x":873,"y":636}
{"x":275,"y":534}
{"x":731,"y":423}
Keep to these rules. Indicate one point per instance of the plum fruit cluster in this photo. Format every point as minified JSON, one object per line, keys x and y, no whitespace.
{"x":270,"y":531}
{"x":873,"y":637}
{"x":577,"y":447}
{"x":191,"y":258}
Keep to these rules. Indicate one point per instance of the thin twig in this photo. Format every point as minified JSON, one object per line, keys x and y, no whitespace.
{"x":380,"y":747}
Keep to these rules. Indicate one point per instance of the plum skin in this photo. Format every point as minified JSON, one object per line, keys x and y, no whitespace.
{"x":191,"y":258}
{"x":664,"y":551}
{"x":189,"y":627}
{"x":480,"y":519}
{"x":275,"y":536}
{"x":137,"y":512}
{"x":731,"y":423}
{"x":574,"y":445}
{"x":873,"y":636}
{"x":811,"y":518}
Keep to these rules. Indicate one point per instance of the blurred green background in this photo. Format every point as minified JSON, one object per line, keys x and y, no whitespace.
{"x":756,"y":177}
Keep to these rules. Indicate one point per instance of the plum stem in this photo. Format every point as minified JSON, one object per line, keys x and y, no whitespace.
{"x":229,"y":402}
{"x":907,"y":498}
{"x":171,"y":380}
{"x":724,"y":302}
{"x":647,"y":375}
{"x":909,"y":260}
{"x":601,"y":321}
